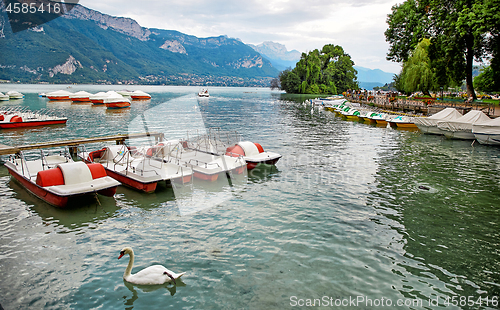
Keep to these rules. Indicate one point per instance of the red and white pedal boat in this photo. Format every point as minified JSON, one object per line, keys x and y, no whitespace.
{"x":253,"y":153}
{"x":206,"y":165}
{"x":56,"y":179}
{"x":19,"y":119}
{"x":134,"y":169}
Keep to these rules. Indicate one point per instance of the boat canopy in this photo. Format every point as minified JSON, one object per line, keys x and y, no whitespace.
{"x":465,"y":122}
{"x":490,"y":127}
{"x":59,"y":93}
{"x":443,"y":115}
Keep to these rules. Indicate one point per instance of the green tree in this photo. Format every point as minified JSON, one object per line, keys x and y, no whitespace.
{"x":289,"y":81}
{"x":485,"y":81}
{"x":460,"y":31}
{"x":488,"y":21}
{"x":275,"y":84}
{"x":408,"y":24}
{"x":417,"y":74}
{"x":397,"y":81}
{"x":328,"y":71}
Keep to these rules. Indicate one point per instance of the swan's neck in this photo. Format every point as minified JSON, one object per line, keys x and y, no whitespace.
{"x":128,"y":271}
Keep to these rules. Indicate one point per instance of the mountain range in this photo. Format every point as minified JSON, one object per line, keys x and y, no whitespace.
{"x":86,"y":46}
{"x":278,"y":54}
{"x":369,"y":78}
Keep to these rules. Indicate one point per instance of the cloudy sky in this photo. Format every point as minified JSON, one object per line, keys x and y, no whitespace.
{"x":357,"y":26}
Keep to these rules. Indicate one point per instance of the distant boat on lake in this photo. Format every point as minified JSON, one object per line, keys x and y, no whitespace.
{"x":203,"y":93}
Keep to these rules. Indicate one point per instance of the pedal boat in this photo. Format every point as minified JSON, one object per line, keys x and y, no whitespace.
{"x":18,"y":119}
{"x":14,"y":94}
{"x":404,"y":122}
{"x":206,"y":165}
{"x":57,"y":179}
{"x":253,"y":154}
{"x":132,"y":168}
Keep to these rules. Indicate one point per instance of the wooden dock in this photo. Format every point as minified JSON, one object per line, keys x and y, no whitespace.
{"x":72,"y":144}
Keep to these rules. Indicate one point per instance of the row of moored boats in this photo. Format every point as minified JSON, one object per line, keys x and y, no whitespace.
{"x":111,"y":99}
{"x":474,"y":125}
{"x":57,"y":178}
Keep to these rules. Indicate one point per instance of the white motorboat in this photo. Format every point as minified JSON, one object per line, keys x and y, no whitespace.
{"x":81,"y":96}
{"x":56,"y":179}
{"x":140,"y":95}
{"x":98,"y":98}
{"x":59,"y":95}
{"x":116,"y":101}
{"x":125,"y":93}
{"x":429,"y":124}
{"x":461,"y":128}
{"x":487,"y":132}
{"x":4,"y":97}
{"x":203,"y":93}
{"x":14,"y":95}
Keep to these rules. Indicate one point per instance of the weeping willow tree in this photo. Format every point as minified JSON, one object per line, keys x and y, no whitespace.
{"x":417,"y":74}
{"x":329,"y":71}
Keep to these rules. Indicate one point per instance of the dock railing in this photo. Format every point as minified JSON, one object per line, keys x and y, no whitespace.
{"x":423,"y":106}
{"x":73,"y":144}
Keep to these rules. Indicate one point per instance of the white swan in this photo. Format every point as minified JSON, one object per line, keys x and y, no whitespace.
{"x":153,"y":275}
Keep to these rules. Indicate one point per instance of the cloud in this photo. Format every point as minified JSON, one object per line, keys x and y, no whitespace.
{"x":302,"y":25}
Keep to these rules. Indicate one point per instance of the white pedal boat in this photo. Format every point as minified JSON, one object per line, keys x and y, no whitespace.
{"x":206,"y":166}
{"x":133,"y":168}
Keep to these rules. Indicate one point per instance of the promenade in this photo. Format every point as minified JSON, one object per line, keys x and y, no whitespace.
{"x":423,"y":106}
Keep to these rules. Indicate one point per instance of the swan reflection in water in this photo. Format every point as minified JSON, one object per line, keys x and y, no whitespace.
{"x":133,"y":288}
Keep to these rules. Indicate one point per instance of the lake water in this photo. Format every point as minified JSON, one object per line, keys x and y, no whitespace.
{"x":353,"y":216}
